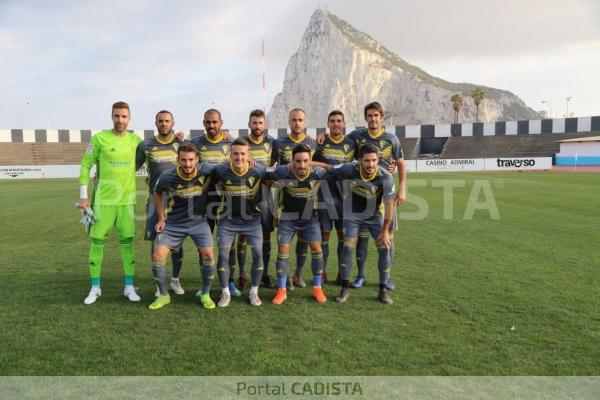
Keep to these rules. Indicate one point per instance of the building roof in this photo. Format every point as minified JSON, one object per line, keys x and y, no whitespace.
{"x":582,"y":139}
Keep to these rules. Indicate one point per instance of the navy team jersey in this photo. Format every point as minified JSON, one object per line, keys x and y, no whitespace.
{"x":283,"y":147}
{"x":365,"y":194}
{"x":240,"y":192}
{"x":297,"y":195}
{"x":213,"y":152}
{"x":158,"y":155}
{"x":186,"y":198}
{"x":334,"y":153}
{"x":261,"y":151}
{"x":387,"y":143}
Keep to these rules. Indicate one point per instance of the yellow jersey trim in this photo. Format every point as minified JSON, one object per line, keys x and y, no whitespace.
{"x":377,"y":134}
{"x":244,"y":172}
{"x":220,"y":138}
{"x":183,"y":177}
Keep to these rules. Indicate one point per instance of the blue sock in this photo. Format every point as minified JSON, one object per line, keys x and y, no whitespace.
{"x":282,"y":282}
{"x":316,"y":281}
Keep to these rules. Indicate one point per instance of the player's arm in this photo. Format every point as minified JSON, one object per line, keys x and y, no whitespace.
{"x":275,"y":174}
{"x":159,"y":206}
{"x":321,"y":137}
{"x":401,"y":165}
{"x":401,"y":194}
{"x":160,"y":211}
{"x":89,"y":159}
{"x":320,"y":164}
{"x":140,"y":155}
{"x":180,"y":136}
{"x":384,"y":236}
{"x":274,"y":152}
{"x":388,"y":204}
{"x":342,"y":171}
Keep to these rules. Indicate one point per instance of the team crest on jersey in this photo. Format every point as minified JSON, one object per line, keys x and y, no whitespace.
{"x":225,"y":147}
{"x":201,"y":180}
{"x":203,"y":148}
{"x":180,"y":186}
{"x":228,"y":182}
{"x":251,"y":180}
{"x":382,"y":143}
{"x":267,"y":146}
{"x":154,"y":148}
{"x":374,"y":189}
{"x":346,"y":147}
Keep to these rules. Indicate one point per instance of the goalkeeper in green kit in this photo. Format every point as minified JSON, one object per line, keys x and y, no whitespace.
{"x":113,"y":198}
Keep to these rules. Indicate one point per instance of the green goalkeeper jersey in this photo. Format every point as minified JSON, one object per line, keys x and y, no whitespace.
{"x":114,"y":157}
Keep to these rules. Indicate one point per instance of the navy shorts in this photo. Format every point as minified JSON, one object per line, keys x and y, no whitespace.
{"x":267,"y":210}
{"x":332,"y":214}
{"x":307,"y":228}
{"x":174,"y":234}
{"x":229,"y":228}
{"x":352,"y":226}
{"x":151,"y":219}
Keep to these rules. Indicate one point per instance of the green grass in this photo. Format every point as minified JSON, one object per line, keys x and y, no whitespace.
{"x":462,"y":284}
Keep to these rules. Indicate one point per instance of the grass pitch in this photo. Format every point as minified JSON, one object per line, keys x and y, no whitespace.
{"x":517,"y":295}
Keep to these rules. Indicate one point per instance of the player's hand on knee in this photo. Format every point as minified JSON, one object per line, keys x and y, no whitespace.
{"x":384,"y":239}
{"x":400,"y":197}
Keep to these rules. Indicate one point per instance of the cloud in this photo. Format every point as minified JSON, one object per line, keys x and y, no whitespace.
{"x":71,"y":60}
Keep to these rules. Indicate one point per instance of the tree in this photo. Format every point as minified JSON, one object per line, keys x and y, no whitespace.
{"x":477,"y":95}
{"x":457,"y":103}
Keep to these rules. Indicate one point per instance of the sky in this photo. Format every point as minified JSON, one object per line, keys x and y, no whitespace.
{"x":64,"y":62}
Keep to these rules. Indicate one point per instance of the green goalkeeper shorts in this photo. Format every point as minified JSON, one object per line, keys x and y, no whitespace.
{"x":121,"y":217}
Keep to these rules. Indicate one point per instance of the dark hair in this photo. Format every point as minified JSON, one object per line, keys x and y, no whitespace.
{"x":300,"y":148}
{"x":163,"y":112}
{"x":335,"y":112}
{"x":187,"y":148}
{"x":212,"y":110}
{"x":367,"y":148}
{"x":258,"y":113}
{"x":121,"y":104}
{"x":374,"y":106}
{"x":239,"y":142}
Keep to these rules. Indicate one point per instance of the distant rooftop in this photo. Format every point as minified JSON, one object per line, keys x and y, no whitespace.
{"x":583,"y":139}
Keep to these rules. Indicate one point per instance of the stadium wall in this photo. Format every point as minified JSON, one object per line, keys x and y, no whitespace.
{"x":434,"y":165}
{"x":500,"y":128}
{"x":579,"y":153}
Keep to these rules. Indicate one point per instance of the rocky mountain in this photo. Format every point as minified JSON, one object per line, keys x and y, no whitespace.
{"x":339,"y":67}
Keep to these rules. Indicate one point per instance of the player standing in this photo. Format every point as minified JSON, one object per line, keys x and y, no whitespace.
{"x":113,"y":199}
{"x":299,"y":187}
{"x":390,"y":154}
{"x":336,"y":149}
{"x":282,"y":150}
{"x":368,"y":203}
{"x":159,"y":153}
{"x":261,"y":152}
{"x":214,"y":147}
{"x":185,"y":189}
{"x":239,"y":214}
